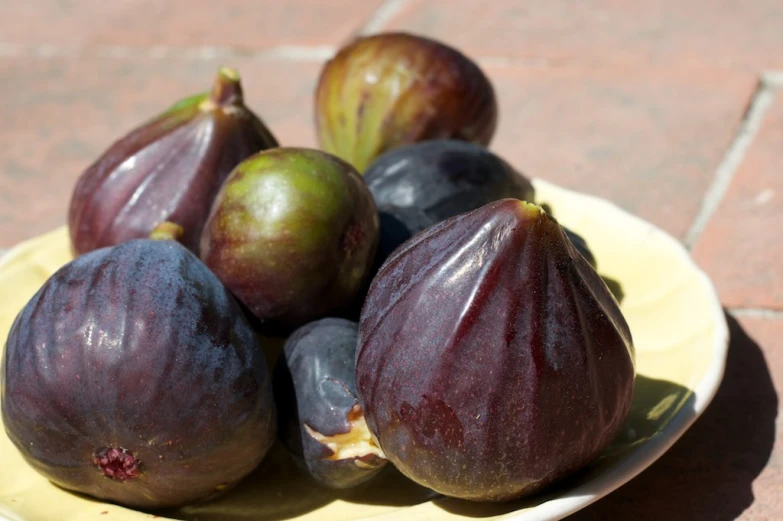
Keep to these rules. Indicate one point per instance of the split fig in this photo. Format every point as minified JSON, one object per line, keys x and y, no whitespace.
{"x":321,"y":421}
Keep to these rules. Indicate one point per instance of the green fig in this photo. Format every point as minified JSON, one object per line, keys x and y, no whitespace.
{"x":292,"y":234}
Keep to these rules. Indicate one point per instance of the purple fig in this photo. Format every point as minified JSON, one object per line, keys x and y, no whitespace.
{"x":133,"y":376}
{"x":392,"y":89}
{"x":169,"y":169}
{"x":492,"y":359}
{"x":320,"y":419}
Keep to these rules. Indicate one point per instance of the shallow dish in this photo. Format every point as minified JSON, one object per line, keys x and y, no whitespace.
{"x":679,"y":331}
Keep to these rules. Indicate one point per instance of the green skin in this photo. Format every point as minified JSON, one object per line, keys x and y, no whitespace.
{"x":292,"y":234}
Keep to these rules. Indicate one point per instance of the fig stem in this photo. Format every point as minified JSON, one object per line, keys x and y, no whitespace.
{"x":167,"y":231}
{"x":227,"y":89}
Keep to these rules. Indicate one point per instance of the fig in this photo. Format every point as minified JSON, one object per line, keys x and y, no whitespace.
{"x":433,"y":180}
{"x":132,"y":376}
{"x":320,"y":420}
{"x":383,"y":91}
{"x":168,"y":169}
{"x":292,"y":233}
{"x":492,"y":359}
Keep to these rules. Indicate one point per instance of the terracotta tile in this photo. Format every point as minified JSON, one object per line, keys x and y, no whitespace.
{"x":60,"y":115}
{"x":237,"y":23}
{"x":179,"y":23}
{"x":741,"y":247}
{"x":54,"y":22}
{"x":647,"y":139}
{"x":729,"y":464}
{"x":723,"y":32}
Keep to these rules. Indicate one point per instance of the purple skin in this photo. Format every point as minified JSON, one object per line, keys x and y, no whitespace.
{"x":492,"y":359}
{"x":169,"y":169}
{"x":314,"y":386}
{"x":132,"y":376}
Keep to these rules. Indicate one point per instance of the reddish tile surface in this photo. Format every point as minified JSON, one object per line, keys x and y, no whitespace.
{"x":237,"y":22}
{"x":59,"y":115}
{"x":647,"y":139}
{"x":720,"y":32}
{"x":56,"y":21}
{"x":741,"y":248}
{"x":252,"y":25}
{"x":729,"y":465}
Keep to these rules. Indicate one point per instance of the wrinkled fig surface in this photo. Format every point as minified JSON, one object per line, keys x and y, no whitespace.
{"x":391,"y":89}
{"x":492,"y":359}
{"x":321,"y":421}
{"x":168,"y":169}
{"x":133,"y":377}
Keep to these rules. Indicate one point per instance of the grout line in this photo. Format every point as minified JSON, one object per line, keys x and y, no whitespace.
{"x":761,"y":102}
{"x":314,"y":53}
{"x":388,"y":10}
{"x":756,"y":312}
{"x":773,"y":78}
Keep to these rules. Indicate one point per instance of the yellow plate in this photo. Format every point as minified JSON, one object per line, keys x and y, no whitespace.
{"x":681,"y":340}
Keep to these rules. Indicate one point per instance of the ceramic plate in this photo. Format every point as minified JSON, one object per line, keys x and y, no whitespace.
{"x":681,"y":340}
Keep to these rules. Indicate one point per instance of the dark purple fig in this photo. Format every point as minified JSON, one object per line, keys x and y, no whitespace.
{"x":168,"y":169}
{"x":392,"y":89}
{"x":292,"y":234}
{"x":320,"y":419}
{"x":492,"y":359}
{"x":433,"y":180}
{"x":132,"y":376}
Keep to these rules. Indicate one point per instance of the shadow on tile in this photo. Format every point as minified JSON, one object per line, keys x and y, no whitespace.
{"x":709,"y":472}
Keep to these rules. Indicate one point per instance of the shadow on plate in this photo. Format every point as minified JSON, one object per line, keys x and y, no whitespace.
{"x":709,"y":472}
{"x":655,"y":402}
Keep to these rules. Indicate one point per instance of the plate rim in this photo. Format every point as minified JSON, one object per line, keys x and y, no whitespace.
{"x":640,"y":458}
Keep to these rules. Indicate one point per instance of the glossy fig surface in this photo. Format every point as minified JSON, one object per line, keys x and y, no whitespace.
{"x":321,"y":421}
{"x":492,"y":359}
{"x":168,"y":169}
{"x":421,"y":184}
{"x":391,"y":89}
{"x":132,"y":376}
{"x":292,"y":234}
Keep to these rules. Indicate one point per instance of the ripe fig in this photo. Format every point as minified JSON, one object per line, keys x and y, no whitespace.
{"x":132,"y":376}
{"x":168,"y":169}
{"x":433,"y":180}
{"x":392,"y":89}
{"x":492,"y":359}
{"x":320,"y":419}
{"x":292,"y":234}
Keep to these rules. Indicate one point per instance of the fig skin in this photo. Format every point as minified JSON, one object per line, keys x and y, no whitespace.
{"x":317,"y":403}
{"x":492,"y":359}
{"x":418,"y":185}
{"x":292,"y":234}
{"x":391,"y":89}
{"x":133,"y":377}
{"x":168,"y":169}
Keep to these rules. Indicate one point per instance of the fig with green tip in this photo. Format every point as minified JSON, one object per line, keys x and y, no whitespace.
{"x":492,"y":359}
{"x":168,"y":169}
{"x":391,"y":89}
{"x":292,"y":234}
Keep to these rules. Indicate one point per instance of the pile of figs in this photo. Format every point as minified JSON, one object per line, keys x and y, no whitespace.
{"x":436,"y":318}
